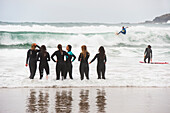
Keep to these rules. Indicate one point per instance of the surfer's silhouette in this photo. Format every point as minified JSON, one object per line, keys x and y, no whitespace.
{"x":148,"y":54}
{"x":123,"y":31}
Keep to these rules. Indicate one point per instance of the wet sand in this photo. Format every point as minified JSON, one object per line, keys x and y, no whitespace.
{"x":85,"y":100}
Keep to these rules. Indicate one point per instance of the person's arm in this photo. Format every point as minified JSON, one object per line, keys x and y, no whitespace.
{"x":105,"y":59}
{"x":93,"y":59}
{"x":79,"y":59}
{"x":38,"y":50}
{"x":48,"y":57}
{"x":145,"y":52}
{"x":38,"y":57}
{"x":28,"y":55}
{"x":66,"y":54}
{"x":52,"y":56}
{"x":74,"y":57}
{"x":38,"y":46}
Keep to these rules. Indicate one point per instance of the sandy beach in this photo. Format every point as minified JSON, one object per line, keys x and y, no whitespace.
{"x":84,"y":100}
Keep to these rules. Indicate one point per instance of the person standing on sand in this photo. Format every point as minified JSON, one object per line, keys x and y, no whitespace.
{"x":84,"y":66}
{"x":43,"y":57}
{"x":69,"y":61}
{"x":60,"y":66}
{"x":148,"y":54}
{"x":32,"y":58}
{"x":101,"y":61}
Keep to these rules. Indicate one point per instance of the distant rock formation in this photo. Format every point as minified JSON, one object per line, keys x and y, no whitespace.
{"x":160,"y":19}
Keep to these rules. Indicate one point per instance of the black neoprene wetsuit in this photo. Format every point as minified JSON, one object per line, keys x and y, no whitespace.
{"x":32,"y":59}
{"x":84,"y":66}
{"x":61,"y":65}
{"x":148,"y":54}
{"x":100,"y":65}
{"x":43,"y":58}
{"x":69,"y":65}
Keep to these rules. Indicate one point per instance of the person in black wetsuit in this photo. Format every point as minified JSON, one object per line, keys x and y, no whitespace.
{"x":101,"y":61}
{"x":69,"y":61}
{"x":148,"y":54}
{"x":84,"y":66}
{"x":43,"y":57}
{"x":61,"y":65}
{"x":32,"y":57}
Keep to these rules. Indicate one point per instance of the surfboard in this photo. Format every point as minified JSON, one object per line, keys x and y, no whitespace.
{"x":155,"y":62}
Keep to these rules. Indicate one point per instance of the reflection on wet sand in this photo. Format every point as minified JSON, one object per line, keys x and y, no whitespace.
{"x":31,"y":102}
{"x":84,"y":101}
{"x":63,"y":101}
{"x":44,"y":101}
{"x":37,"y":104}
{"x":101,"y":101}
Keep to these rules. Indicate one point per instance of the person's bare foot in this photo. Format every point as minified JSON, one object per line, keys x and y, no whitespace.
{"x":47,"y":77}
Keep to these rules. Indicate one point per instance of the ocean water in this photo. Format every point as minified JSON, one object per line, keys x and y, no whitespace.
{"x":123,"y":53}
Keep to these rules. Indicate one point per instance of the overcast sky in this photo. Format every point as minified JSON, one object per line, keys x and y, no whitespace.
{"x":110,"y":11}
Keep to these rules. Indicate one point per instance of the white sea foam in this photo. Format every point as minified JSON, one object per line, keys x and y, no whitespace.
{"x":100,"y":35}
{"x":168,"y":22}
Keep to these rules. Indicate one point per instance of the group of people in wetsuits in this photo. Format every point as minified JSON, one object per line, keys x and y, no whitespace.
{"x":64,"y":67}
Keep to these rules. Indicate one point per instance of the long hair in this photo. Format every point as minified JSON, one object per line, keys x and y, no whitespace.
{"x":84,"y":51}
{"x":102,"y":52}
{"x":60,"y":48}
{"x":33,"y":46}
{"x":43,"y":50}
